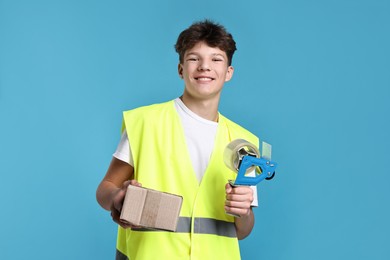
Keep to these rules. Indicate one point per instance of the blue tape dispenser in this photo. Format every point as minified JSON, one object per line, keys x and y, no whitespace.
{"x":244,"y":158}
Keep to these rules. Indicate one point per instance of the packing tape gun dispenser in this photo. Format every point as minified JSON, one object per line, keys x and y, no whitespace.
{"x":244,"y":158}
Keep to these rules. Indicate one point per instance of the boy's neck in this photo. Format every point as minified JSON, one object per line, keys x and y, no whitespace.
{"x":207,"y":109}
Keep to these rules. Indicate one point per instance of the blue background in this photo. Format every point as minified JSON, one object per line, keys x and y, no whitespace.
{"x":314,"y":75}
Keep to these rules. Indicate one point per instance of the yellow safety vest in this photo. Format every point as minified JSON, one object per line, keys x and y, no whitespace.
{"x":162,"y":162}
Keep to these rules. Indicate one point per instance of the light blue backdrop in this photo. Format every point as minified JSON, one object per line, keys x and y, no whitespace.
{"x":314,"y":76}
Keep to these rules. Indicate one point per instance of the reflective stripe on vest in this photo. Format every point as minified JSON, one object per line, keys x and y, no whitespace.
{"x":201,"y":226}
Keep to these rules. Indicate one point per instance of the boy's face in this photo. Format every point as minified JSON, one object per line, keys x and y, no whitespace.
{"x":204,"y":70}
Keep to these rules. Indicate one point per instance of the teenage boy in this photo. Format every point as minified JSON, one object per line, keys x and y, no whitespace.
{"x":177,"y":147}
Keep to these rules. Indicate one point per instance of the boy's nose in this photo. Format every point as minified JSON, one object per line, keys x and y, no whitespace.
{"x":204,"y":66}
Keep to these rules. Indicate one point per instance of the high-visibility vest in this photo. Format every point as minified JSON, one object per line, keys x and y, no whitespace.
{"x":162,"y":162}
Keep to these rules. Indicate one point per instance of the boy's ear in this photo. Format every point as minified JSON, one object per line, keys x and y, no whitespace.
{"x":180,"y":70}
{"x":229,"y":73}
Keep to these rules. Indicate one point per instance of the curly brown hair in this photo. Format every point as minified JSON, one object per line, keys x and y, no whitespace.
{"x":213,"y":34}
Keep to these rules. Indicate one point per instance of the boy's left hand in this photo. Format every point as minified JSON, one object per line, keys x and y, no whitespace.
{"x":238,"y":200}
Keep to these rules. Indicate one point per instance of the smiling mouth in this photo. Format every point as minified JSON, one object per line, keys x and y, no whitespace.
{"x":204,"y":78}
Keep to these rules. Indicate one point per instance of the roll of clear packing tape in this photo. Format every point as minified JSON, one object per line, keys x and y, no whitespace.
{"x":236,"y":150}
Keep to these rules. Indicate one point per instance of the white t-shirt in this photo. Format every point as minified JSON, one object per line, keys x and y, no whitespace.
{"x":200,"y":136}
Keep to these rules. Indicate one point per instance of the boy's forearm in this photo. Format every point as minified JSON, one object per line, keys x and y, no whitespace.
{"x":244,"y":225}
{"x":117,"y":174}
{"x":104,"y":194}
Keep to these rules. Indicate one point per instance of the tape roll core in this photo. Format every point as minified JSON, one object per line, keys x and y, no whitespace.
{"x":234,"y":152}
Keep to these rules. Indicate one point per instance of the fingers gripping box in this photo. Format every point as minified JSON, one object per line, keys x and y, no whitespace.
{"x":151,"y":209}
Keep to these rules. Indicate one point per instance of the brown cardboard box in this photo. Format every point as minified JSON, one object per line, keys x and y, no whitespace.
{"x":151,"y":209}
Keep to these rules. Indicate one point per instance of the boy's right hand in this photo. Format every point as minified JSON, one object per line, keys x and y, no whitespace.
{"x":118,"y":197}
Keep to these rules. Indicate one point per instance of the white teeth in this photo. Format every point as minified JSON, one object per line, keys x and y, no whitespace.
{"x":204,"y":79}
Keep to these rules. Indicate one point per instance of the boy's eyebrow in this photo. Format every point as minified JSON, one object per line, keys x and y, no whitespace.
{"x":219,"y":54}
{"x":212,"y":54}
{"x":192,"y":53}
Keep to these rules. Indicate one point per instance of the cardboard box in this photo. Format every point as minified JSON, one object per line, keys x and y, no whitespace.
{"x":151,"y":209}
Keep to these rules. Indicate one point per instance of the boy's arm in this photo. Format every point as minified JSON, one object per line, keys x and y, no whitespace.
{"x":112,"y":190}
{"x":238,"y":202}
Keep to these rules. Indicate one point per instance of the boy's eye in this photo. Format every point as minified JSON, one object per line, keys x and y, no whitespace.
{"x":192,"y":59}
{"x":217,"y":59}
